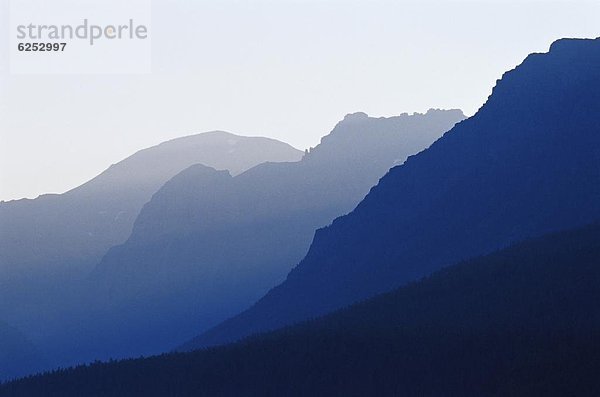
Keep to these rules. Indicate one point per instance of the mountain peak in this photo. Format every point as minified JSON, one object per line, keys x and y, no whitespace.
{"x":359,"y":135}
{"x":358,"y":116}
{"x":434,"y":111}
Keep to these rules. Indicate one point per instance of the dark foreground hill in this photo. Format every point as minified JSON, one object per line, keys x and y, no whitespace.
{"x":522,"y":321}
{"x":528,"y":163}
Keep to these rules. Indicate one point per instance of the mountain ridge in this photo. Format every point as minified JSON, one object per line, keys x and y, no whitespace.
{"x":48,"y":246}
{"x":213,"y":243}
{"x":122,"y":189}
{"x":526,"y":164}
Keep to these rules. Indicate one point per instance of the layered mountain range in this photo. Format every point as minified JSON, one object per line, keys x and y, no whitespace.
{"x":526,"y":164}
{"x":470,"y":268}
{"x":208,"y":244}
{"x":69,"y":233}
{"x":49,"y":246}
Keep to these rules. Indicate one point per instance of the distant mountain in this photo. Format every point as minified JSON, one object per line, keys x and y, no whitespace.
{"x":72,"y":231}
{"x":18,"y":356}
{"x":526,"y":164}
{"x":208,"y":244}
{"x":522,"y":321}
{"x":48,"y":246}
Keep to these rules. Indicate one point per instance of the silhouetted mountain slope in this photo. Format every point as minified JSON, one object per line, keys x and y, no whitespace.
{"x":207,"y":245}
{"x":526,"y":164}
{"x":521,"y":321}
{"x":71,"y":231}
{"x":18,"y":355}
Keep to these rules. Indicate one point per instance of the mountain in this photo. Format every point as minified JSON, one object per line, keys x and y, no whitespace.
{"x":521,"y":321}
{"x":48,"y":246}
{"x":71,"y":232}
{"x":208,"y":244}
{"x":17,"y":354}
{"x":526,"y":164}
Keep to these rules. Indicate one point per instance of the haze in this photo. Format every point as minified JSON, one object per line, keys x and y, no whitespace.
{"x":283,"y":69}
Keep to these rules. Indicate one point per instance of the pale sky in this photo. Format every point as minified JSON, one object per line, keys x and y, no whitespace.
{"x":283,"y":69}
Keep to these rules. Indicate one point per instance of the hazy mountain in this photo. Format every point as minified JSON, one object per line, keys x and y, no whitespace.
{"x":49,"y":245}
{"x":526,"y":164}
{"x":209,"y":244}
{"x":522,"y":321}
{"x":72,"y":231}
{"x":18,"y":355}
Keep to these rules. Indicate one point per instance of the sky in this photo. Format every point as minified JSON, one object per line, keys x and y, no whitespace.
{"x":280,"y":68}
